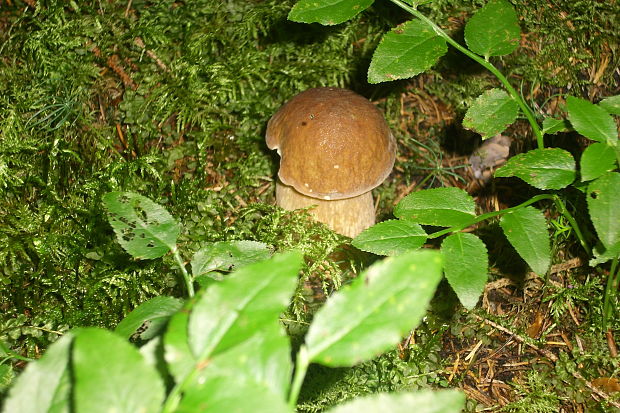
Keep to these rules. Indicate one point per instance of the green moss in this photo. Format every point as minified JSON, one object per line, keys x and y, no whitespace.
{"x":166,"y":99}
{"x":170,"y":99}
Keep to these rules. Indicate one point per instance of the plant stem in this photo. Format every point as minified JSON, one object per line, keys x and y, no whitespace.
{"x":613,"y":282}
{"x":488,"y":215}
{"x":556,"y":199}
{"x":189,"y":285}
{"x":529,"y":114}
{"x":562,"y":208}
{"x":301,"y":367}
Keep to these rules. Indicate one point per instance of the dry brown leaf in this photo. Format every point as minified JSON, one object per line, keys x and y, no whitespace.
{"x":607,"y":384}
{"x":534,"y":330}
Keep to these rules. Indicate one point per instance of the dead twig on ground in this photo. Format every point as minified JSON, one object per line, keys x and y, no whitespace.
{"x":551,"y":357}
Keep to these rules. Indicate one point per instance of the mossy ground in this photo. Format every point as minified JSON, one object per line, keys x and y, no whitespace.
{"x":170,"y":99}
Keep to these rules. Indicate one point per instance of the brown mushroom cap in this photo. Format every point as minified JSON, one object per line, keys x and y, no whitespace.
{"x":333,"y":143}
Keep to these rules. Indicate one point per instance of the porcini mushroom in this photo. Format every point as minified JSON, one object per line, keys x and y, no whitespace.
{"x":335,"y":147}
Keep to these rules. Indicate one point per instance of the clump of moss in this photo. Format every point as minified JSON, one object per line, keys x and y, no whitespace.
{"x":150,"y":98}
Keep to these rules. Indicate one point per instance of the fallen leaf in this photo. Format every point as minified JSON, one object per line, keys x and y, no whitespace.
{"x":608,"y":384}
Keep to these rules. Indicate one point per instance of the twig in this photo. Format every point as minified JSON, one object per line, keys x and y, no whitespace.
{"x":138,"y":42}
{"x":114,"y":64}
{"x":551,"y":357}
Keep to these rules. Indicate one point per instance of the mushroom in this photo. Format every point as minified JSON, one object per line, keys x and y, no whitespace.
{"x":335,"y":147}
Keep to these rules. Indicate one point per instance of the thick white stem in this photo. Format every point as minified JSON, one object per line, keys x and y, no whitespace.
{"x":348,"y":216}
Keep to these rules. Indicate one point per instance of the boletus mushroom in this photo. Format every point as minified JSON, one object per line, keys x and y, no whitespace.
{"x":335,"y":147}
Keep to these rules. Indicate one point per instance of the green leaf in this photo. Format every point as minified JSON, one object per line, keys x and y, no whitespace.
{"x":547,"y":168}
{"x":371,"y":314}
{"x":493,"y":30}
{"x":155,"y":311}
{"x":224,"y":394}
{"x":611,"y":104}
{"x":7,"y":376}
{"x":327,"y":12}
{"x":177,"y":352}
{"x":597,"y":159}
{"x":391,"y":237}
{"x":551,"y":126}
{"x":111,"y":375}
{"x":264,"y":360}
{"x":602,"y":254}
{"x":491,"y":113}
{"x":228,"y":256}
{"x":603,"y":201}
{"x":422,"y":401}
{"x":465,"y":265}
{"x":407,"y":50}
{"x":445,"y":207}
{"x":591,"y":121}
{"x":252,"y":298}
{"x":526,"y":229}
{"x":143,"y":228}
{"x":44,"y":384}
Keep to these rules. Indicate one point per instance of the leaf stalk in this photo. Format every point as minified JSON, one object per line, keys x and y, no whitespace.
{"x":189,"y":285}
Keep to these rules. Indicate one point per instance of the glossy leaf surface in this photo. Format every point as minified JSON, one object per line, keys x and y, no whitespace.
{"x":596,"y":160}
{"x":552,"y":125}
{"x":391,"y":237}
{"x":526,"y":230}
{"x":371,"y":314}
{"x":111,"y":375}
{"x":465,"y":266}
{"x":251,"y":299}
{"x":604,"y":206}
{"x":611,"y":104}
{"x":407,"y":50}
{"x":547,"y":168}
{"x":443,"y":207}
{"x":591,"y":121}
{"x":493,"y":30}
{"x":491,"y":113}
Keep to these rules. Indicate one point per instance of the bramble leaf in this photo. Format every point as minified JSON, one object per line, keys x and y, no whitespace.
{"x":44,"y":385}
{"x":222,"y":394}
{"x":421,"y":401}
{"x":445,"y":207}
{"x":603,"y":254}
{"x":546,"y":168}
{"x":391,"y":237}
{"x":465,"y":266}
{"x":493,"y":30}
{"x":603,"y":200}
{"x":526,"y":229}
{"x":263,"y":361}
{"x":228,"y":256}
{"x":551,"y":126}
{"x":252,"y":298}
{"x":591,"y":121}
{"x":407,"y":50}
{"x":177,"y":352}
{"x":111,"y":375}
{"x":611,"y":104}
{"x":491,"y":113}
{"x":143,"y":228}
{"x":327,"y":12}
{"x":371,"y":314}
{"x":155,"y":311}
{"x":597,"y":159}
